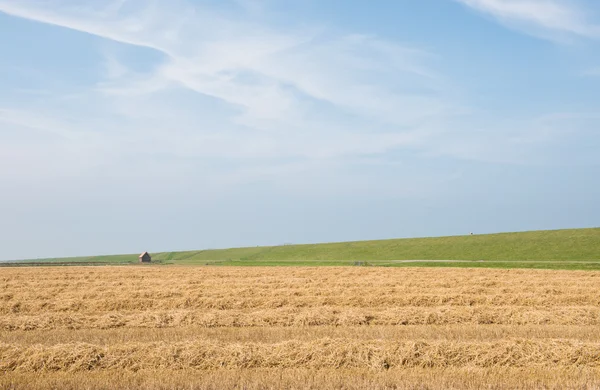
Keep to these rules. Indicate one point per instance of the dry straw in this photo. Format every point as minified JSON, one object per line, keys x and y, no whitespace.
{"x":315,"y":354}
{"x":199,"y":326}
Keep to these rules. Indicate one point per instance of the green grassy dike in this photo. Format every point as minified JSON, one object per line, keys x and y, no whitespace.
{"x":577,"y":249}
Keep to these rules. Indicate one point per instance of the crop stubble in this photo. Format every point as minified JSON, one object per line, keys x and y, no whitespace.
{"x":166,"y":327}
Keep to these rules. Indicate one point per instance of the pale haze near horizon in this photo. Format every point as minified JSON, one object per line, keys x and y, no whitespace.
{"x":171,"y":125}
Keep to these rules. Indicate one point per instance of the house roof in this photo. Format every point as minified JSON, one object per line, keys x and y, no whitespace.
{"x":144,"y":254}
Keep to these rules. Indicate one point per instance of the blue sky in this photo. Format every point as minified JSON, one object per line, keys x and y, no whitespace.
{"x":159,"y":125}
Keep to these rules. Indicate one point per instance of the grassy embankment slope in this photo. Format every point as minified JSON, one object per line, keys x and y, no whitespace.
{"x":554,"y":249}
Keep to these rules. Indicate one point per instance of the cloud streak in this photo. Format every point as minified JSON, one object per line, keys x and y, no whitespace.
{"x":551,"y":19}
{"x":303,"y":84}
{"x":229,"y":97}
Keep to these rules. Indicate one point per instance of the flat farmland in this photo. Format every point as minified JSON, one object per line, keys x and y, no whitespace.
{"x":161,"y":327}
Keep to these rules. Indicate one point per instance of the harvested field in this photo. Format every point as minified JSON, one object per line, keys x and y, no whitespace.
{"x":206,"y":327}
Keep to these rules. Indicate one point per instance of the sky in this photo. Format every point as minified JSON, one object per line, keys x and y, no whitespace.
{"x":165,"y":125}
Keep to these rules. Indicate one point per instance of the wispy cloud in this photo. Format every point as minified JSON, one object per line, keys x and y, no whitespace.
{"x":551,"y":19}
{"x":316,"y":93}
{"x":228,"y":98}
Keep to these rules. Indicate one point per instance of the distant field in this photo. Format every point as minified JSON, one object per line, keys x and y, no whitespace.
{"x":555,"y":249}
{"x":303,"y":327}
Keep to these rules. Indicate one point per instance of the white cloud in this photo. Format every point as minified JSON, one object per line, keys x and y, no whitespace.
{"x":552,"y":19}
{"x":229,"y":100}
{"x":298,"y":82}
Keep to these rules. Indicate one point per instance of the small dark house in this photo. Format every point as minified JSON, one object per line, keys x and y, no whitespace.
{"x":145,"y":257}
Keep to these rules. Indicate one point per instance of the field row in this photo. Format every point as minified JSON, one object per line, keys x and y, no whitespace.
{"x":369,"y":299}
{"x":326,"y":316}
{"x":255,"y":279}
{"x":470,"y":378}
{"x":85,"y":290}
{"x":315,"y":354}
{"x":457,"y":333}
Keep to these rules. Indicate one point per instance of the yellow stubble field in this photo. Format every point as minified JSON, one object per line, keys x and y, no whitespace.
{"x":157,"y":327}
